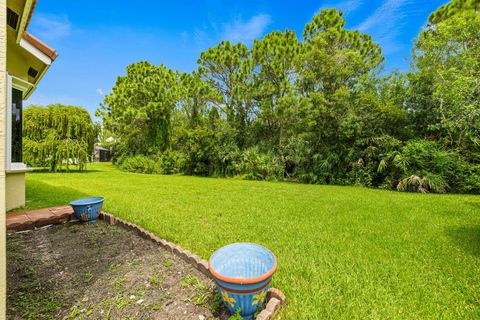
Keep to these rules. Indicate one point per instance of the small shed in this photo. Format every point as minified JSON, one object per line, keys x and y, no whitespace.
{"x":101,"y":154}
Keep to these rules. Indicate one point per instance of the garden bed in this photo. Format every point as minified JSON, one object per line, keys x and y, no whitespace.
{"x":101,"y":271}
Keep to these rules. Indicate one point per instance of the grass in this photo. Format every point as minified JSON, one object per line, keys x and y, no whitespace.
{"x":343,"y":252}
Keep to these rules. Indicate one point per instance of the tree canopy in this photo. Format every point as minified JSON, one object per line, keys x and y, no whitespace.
{"x":454,"y":7}
{"x":313,"y":110}
{"x":57,"y":136}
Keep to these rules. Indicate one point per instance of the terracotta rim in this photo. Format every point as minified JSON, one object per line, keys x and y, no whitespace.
{"x":240,"y":280}
{"x":244,"y":291}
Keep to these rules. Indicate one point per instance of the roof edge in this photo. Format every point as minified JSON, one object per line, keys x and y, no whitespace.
{"x":32,"y":8}
{"x":40,"y":45}
{"x":25,"y":18}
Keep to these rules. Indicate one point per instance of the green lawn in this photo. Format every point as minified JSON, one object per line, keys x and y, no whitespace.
{"x":343,"y":252}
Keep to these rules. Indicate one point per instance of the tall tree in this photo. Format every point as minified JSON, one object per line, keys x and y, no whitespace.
{"x":275,"y":59}
{"x":447,"y":77}
{"x":139,"y":109}
{"x":460,"y":52}
{"x":228,"y":68}
{"x":197,"y":98}
{"x":335,"y":76}
{"x":453,"y":8}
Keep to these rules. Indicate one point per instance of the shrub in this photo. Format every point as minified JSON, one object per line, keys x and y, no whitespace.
{"x":372,"y":165}
{"x":228,"y":151}
{"x":424,"y":184}
{"x":472,"y":184}
{"x":254,"y":165}
{"x":169,"y":162}
{"x":199,"y":147}
{"x":138,"y":163}
{"x":426,"y":167}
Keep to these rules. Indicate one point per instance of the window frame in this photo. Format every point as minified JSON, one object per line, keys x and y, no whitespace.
{"x":22,"y":85}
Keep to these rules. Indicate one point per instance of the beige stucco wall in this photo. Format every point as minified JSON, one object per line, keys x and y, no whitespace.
{"x":3,"y":127}
{"x":15,"y":190}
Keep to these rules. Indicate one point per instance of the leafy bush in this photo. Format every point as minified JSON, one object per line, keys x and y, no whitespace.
{"x":199,"y":146}
{"x":472,"y":184}
{"x":228,"y":151}
{"x":254,"y":165}
{"x":169,"y":162}
{"x":138,"y":163}
{"x":426,"y":167}
{"x":372,"y":166}
{"x":424,"y":184}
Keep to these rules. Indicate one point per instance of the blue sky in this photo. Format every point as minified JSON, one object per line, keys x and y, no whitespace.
{"x":96,"y":40}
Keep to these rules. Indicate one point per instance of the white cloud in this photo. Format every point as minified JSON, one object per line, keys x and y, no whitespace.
{"x":387,"y":14}
{"x":100,"y":92}
{"x":246,"y":31}
{"x":347,"y":6}
{"x":237,"y":30}
{"x":50,"y":26}
{"x":386,"y":23}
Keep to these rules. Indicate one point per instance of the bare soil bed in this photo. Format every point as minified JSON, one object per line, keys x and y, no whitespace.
{"x":100,"y":271}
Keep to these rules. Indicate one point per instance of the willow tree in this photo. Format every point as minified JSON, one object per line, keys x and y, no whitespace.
{"x":58,"y":136}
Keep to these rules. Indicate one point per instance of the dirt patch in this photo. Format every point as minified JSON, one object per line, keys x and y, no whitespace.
{"x":100,"y":271}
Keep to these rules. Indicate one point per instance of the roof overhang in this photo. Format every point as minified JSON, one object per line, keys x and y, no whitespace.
{"x":25,"y":51}
{"x":28,"y":9}
{"x":42,"y":51}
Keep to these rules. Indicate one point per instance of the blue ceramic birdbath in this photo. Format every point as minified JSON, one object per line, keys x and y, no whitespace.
{"x":243,"y":272}
{"x":87,"y":209}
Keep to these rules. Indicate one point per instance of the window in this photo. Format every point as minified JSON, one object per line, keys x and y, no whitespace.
{"x":32,"y":72}
{"x":12,"y":18}
{"x":15,"y":89}
{"x":16,"y":125}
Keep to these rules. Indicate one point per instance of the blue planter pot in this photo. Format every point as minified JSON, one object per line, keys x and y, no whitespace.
{"x":87,"y":209}
{"x":242,"y":272}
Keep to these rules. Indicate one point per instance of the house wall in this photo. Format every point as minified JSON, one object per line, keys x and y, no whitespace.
{"x":15,"y":190}
{"x":3,"y":128}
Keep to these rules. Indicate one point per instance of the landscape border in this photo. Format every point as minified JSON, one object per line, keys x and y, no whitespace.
{"x":35,"y":219}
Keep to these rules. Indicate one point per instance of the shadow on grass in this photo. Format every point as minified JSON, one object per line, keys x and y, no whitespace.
{"x":43,"y":195}
{"x":467,"y":238}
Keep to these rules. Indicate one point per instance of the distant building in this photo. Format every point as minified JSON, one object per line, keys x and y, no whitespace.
{"x":101,"y":154}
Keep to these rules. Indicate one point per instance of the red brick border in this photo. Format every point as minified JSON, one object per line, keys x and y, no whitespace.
{"x":30,"y":220}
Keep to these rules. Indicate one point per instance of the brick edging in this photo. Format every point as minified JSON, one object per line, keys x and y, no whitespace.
{"x":275,"y":297}
{"x":30,"y":220}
